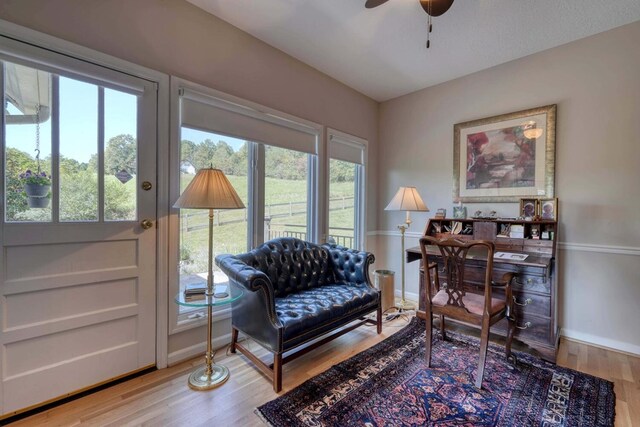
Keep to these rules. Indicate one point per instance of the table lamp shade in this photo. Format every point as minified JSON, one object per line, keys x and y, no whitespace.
{"x":407,"y":199}
{"x":209,"y":189}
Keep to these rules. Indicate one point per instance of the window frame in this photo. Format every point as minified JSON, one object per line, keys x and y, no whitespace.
{"x":360,"y":196}
{"x":195,"y":317}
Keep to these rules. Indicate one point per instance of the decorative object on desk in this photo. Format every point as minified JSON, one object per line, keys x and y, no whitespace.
{"x":505,"y":229}
{"x":548,"y":209}
{"x":494,"y":161}
{"x":407,"y":199}
{"x":528,"y":208}
{"x":441,"y":213}
{"x":388,"y":384}
{"x":535,"y":232}
{"x":209,"y":189}
{"x":477,"y":214}
{"x":516,"y":231}
{"x":460,"y":212}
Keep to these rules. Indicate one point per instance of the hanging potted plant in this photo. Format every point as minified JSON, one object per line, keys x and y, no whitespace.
{"x":37,"y":186}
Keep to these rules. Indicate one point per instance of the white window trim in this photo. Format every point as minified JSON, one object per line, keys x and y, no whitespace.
{"x":179,"y":322}
{"x":59,"y":46}
{"x":360,"y":198}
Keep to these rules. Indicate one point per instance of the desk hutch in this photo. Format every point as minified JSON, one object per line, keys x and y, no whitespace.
{"x":535,"y":288}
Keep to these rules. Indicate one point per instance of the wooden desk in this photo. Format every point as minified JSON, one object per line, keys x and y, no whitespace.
{"x":534,"y":293}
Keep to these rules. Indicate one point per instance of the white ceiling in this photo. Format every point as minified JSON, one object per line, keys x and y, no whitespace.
{"x":381,"y":52}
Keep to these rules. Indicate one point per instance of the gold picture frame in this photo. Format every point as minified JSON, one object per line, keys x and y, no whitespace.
{"x":505,"y":158}
{"x":548,"y":209}
{"x":529,"y":208}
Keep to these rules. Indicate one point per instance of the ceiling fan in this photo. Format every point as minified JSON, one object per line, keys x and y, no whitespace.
{"x":431,"y":7}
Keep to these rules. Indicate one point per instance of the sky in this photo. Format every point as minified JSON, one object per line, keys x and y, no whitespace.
{"x":79,"y":123}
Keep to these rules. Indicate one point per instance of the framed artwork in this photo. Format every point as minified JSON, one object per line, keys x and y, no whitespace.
{"x":548,"y":209}
{"x":505,"y":158}
{"x":528,"y":208}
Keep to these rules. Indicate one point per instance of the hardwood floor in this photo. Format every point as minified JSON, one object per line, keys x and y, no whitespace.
{"x":162,"y":398}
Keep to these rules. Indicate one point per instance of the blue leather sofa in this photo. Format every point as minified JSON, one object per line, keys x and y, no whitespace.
{"x":295,"y":292}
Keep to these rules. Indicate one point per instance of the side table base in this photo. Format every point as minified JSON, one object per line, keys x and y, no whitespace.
{"x":199,"y":380}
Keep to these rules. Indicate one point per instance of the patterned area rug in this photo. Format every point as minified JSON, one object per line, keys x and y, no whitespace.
{"x":389,"y":385}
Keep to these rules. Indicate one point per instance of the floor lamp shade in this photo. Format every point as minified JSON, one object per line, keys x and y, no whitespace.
{"x":209,"y":189}
{"x":407,"y":199}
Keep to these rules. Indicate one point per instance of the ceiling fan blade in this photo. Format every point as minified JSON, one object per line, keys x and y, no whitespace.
{"x":370,"y":4}
{"x":436,"y":7}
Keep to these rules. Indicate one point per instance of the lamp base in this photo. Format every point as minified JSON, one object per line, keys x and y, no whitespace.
{"x":199,"y":380}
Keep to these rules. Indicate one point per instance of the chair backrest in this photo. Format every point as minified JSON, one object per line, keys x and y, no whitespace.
{"x":291,"y":264}
{"x":454,"y":256}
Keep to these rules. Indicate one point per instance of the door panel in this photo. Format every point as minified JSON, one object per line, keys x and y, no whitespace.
{"x":78,"y":286}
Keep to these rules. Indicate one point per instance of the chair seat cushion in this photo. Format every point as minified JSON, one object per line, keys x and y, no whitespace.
{"x":472,"y":302}
{"x":305,"y":310}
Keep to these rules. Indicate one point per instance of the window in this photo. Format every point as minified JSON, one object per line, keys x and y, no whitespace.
{"x":271,"y":161}
{"x":70,"y":148}
{"x":286,"y":193}
{"x":346,"y":190}
{"x":199,"y":150}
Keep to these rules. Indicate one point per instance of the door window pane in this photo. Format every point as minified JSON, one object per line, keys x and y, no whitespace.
{"x":27,"y":119}
{"x":120,"y":156}
{"x":201,"y":150}
{"x":342,"y":192}
{"x":286,"y":197}
{"x":78,"y":150}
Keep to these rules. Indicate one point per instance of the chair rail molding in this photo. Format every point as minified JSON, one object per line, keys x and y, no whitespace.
{"x":566,"y":246}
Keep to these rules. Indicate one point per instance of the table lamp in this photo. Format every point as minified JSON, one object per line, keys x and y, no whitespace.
{"x":406,"y":199}
{"x":209,"y":189}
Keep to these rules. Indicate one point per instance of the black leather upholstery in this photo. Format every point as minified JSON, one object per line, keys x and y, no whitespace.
{"x":296,"y":290}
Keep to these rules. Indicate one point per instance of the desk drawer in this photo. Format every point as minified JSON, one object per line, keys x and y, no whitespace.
{"x":528,"y":328}
{"x":532,"y":304}
{"x":526,"y":283}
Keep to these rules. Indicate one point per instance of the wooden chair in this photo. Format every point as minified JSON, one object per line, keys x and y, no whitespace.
{"x":455,"y":302}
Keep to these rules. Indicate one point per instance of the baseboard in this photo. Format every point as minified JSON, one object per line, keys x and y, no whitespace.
{"x":600,"y":342}
{"x":409,"y":296}
{"x":197,"y":349}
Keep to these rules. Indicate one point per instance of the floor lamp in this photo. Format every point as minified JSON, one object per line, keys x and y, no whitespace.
{"x":209,"y":189}
{"x":406,"y":199}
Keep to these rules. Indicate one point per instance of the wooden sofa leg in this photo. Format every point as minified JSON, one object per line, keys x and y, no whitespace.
{"x":379,"y":319}
{"x":234,"y":340}
{"x":277,"y":372}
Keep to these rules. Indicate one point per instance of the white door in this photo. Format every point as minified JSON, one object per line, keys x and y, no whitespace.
{"x":77,"y":282}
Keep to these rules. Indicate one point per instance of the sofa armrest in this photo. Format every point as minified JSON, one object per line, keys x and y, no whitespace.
{"x":255,"y":312}
{"x":350,"y":265}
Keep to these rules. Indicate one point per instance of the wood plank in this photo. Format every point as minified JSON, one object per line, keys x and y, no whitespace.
{"x":164,"y":398}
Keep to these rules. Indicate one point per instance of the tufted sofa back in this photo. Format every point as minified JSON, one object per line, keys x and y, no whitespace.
{"x":292,"y":264}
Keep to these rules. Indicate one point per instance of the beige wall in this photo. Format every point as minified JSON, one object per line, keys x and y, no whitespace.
{"x":596,"y":84}
{"x":176,"y":38}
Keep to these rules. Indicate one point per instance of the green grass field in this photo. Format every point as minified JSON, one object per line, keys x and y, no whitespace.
{"x":232,"y":237}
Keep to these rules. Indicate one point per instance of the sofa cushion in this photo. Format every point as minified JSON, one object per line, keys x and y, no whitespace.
{"x":302,"y":311}
{"x":292,"y":265}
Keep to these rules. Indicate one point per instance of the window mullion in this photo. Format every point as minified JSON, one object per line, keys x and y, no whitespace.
{"x":55,"y":149}
{"x":100,"y":137}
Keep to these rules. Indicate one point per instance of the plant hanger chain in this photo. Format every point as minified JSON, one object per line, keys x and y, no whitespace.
{"x":37,"y":150}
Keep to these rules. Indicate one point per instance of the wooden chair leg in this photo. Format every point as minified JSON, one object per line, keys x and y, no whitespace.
{"x":277,"y":372}
{"x":427,"y":348}
{"x":511,"y":330}
{"x":379,"y":319}
{"x":442,"y":330}
{"x":484,"y":343}
{"x":234,"y":340}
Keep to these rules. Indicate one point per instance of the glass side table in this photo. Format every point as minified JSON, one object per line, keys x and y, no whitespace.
{"x":210,"y":375}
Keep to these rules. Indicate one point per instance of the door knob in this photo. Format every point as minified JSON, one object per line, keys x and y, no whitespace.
{"x":146,"y":224}
{"x":146,"y":186}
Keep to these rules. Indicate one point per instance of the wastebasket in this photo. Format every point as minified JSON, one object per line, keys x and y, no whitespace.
{"x":383,"y":280}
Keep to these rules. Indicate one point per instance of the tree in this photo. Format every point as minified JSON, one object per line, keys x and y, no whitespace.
{"x":121,"y":154}
{"x":17,"y":162}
